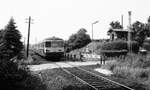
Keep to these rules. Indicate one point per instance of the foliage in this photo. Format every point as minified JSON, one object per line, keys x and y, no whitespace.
{"x":114,"y":45}
{"x":140,"y":31}
{"x":116,"y":25}
{"x":16,"y":77}
{"x":13,"y":75}
{"x":110,"y":65}
{"x":117,"y":48}
{"x":112,"y":49}
{"x":79,"y":40}
{"x":113,"y":53}
{"x":146,"y":44}
{"x":10,"y":40}
{"x":134,"y":67}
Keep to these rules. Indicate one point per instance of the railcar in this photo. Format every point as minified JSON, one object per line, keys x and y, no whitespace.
{"x":52,"y":48}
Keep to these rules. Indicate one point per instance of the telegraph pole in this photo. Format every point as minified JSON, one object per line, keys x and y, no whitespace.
{"x":28,"y":41}
{"x":129,"y":34}
{"x":122,"y":21}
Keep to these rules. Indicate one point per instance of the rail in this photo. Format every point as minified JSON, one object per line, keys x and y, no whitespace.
{"x":103,"y":78}
{"x":82,"y":81}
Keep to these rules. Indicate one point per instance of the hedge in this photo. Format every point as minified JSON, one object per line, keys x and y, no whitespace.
{"x":117,"y":48}
{"x":146,"y":46}
{"x":114,"y":45}
{"x":113,"y":53}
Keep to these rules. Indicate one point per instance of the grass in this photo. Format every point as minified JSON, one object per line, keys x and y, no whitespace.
{"x":132,"y":83}
{"x":34,"y":59}
{"x":56,"y":79}
{"x":134,"y":67}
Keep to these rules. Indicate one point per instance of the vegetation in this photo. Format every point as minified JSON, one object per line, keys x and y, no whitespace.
{"x":57,"y":79}
{"x":79,"y":40}
{"x":115,"y":25}
{"x":135,"y":67}
{"x":140,"y":31}
{"x":146,"y":44}
{"x":14,"y":75}
{"x":116,"y":48}
{"x":115,"y":45}
{"x":10,"y":40}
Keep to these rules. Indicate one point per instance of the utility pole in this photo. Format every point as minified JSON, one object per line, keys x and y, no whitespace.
{"x":122,"y":21}
{"x":28,"y":41}
{"x":24,"y":43}
{"x":129,"y":33}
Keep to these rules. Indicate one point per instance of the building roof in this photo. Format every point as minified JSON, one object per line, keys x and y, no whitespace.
{"x":53,"y":38}
{"x":121,"y":30}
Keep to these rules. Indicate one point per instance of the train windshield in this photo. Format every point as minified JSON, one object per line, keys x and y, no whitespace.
{"x":54,"y":44}
{"x":48,"y":44}
{"x":57,"y":44}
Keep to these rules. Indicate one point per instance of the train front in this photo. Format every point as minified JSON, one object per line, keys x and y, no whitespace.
{"x":54,"y":49}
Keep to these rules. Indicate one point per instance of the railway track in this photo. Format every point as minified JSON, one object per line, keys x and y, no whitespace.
{"x":96,"y":82}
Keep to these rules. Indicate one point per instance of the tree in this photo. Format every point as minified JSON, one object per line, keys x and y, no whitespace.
{"x":148,"y":20}
{"x":148,"y":26}
{"x":115,"y":25}
{"x":11,"y":40}
{"x":140,"y":31}
{"x":79,"y":40}
{"x":82,"y":31}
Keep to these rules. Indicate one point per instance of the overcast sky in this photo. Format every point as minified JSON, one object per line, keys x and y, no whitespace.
{"x":62,"y":18}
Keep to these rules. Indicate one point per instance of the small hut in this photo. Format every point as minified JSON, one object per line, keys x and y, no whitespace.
{"x":119,"y":34}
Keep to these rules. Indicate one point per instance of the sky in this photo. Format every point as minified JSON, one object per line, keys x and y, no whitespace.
{"x":62,"y":18}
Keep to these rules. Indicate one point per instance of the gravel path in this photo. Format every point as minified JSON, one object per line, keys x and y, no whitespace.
{"x":64,"y":64}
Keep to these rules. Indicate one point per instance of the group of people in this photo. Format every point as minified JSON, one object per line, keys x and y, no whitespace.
{"x":79,"y":57}
{"x":102,"y":59}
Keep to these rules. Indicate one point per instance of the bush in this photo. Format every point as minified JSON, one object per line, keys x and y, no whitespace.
{"x":122,"y":71}
{"x":135,"y":46}
{"x":113,"y":53}
{"x":146,"y":46}
{"x":114,"y":45}
{"x":117,"y":48}
{"x":133,"y":67}
{"x":15,"y":77}
{"x":134,"y":73}
{"x":110,"y":65}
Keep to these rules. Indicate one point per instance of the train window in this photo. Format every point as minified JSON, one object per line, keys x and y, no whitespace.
{"x":48,"y":44}
{"x":61,"y":44}
{"x":57,"y":44}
